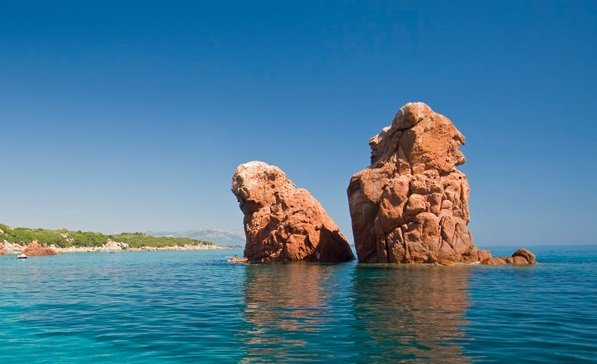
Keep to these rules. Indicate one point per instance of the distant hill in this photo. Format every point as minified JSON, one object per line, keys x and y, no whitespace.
{"x":220,"y":237}
{"x":66,"y":238}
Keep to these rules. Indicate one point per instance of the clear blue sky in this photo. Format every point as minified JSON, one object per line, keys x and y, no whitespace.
{"x":132,"y":115}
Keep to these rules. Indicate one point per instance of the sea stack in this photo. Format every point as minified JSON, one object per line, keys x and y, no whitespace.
{"x":411,"y":204}
{"x":284,"y":223}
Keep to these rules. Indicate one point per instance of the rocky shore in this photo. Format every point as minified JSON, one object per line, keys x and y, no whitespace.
{"x":102,"y":249}
{"x":36,"y":248}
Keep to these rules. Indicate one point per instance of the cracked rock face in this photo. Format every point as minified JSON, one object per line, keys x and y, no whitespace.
{"x":411,"y":204}
{"x":283,"y":222}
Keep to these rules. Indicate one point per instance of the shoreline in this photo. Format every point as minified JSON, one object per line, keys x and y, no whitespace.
{"x":111,"y":249}
{"x":101,"y":249}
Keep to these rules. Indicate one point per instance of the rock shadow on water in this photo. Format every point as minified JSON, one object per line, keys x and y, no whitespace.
{"x":411,"y":313}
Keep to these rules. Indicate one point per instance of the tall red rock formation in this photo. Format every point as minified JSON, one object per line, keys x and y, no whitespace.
{"x":283,"y":222}
{"x":411,"y":204}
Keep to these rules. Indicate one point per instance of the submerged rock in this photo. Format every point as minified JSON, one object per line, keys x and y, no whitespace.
{"x":411,"y":204}
{"x":35,"y":249}
{"x":283,"y":222}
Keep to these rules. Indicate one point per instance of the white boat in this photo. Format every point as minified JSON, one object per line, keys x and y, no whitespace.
{"x":21,"y":256}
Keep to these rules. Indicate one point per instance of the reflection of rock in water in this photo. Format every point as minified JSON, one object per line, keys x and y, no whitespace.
{"x":286,"y":309}
{"x":306,"y":312}
{"x":407,"y":313}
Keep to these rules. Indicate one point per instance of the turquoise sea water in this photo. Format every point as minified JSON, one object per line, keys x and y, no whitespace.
{"x":147,"y":307}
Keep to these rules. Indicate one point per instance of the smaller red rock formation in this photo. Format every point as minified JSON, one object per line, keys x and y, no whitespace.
{"x":2,"y":250}
{"x":282,"y":222}
{"x":520,"y":257}
{"x":35,"y":249}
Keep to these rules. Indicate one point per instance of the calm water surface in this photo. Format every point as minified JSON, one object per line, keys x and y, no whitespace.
{"x":149,"y":307}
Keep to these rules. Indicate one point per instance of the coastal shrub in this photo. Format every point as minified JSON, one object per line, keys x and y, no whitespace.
{"x":65,"y":238}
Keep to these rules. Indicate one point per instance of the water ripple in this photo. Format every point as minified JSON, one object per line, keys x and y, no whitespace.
{"x":149,"y":307}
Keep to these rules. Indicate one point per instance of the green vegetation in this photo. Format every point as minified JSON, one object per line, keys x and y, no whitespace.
{"x":65,"y":238}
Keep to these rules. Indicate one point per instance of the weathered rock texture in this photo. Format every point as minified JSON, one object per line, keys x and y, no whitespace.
{"x":411,"y":204}
{"x":35,"y":249}
{"x":283,"y":222}
{"x":2,"y":250}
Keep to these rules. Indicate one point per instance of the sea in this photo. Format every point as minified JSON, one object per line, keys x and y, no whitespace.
{"x":194,"y":307}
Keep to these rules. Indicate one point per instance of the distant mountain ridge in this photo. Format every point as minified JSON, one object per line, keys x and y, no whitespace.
{"x":220,"y":237}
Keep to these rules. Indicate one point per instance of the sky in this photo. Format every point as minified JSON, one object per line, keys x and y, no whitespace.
{"x":133,"y":115}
